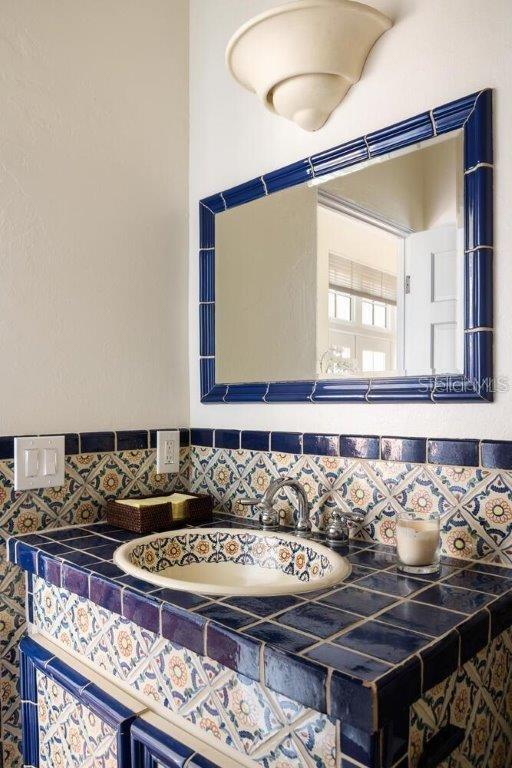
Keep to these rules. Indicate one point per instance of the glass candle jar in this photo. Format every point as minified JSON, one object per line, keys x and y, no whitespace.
{"x":418,"y":543}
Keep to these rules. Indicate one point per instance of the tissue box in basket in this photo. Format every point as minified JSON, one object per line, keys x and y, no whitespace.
{"x":160,"y":513}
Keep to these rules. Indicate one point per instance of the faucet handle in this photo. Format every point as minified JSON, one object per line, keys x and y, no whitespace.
{"x":269,"y":518}
{"x":248,"y":502}
{"x":337,"y":529}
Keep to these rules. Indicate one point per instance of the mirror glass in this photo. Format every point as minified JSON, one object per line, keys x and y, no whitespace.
{"x":359,"y":274}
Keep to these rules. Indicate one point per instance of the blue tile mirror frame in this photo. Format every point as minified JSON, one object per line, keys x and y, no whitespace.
{"x":472,"y":114}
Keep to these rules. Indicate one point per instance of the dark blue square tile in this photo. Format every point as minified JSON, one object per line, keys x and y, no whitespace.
{"x":62,"y":534}
{"x":235,"y":651}
{"x":263,"y":606}
{"x":253,"y":440}
{"x":280,"y":637}
{"x":354,"y":664}
{"x":177,"y":597}
{"x":227,"y":438}
{"x":463,"y":600}
{"x":75,"y":579}
{"x":183,"y":628}
{"x":223,"y":614}
{"x":105,"y":593}
{"x":79,"y":558}
{"x":398,"y":688}
{"x":352,"y":701}
{"x":360,"y":745}
{"x":425,"y":619}
{"x":26,"y":557}
{"x":359,"y":446}
{"x":49,"y":569}
{"x":360,"y":601}
{"x":132,"y":440}
{"x":383,"y":641}
{"x":298,"y":678}
{"x":97,"y":442}
{"x":372,"y":558}
{"x":202,"y":437}
{"x":474,"y":635}
{"x":501,"y":614}
{"x":105,"y":551}
{"x":407,"y":449}
{"x":357,"y":572}
{"x":286,"y":442}
{"x":71,"y":444}
{"x":135,"y":583}
{"x":55,"y":548}
{"x":184,"y":437}
{"x":109,"y":570}
{"x":482,"y":582}
{"x":6,"y":448}
{"x":495,"y":570}
{"x":91,"y":542}
{"x":462,"y":453}
{"x":320,"y":445}
{"x":391,"y":583}
{"x":440,"y":660}
{"x":141,"y":609}
{"x":317,"y":619}
{"x":496,"y":454}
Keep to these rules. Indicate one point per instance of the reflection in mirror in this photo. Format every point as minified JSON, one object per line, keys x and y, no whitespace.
{"x":355,"y":275}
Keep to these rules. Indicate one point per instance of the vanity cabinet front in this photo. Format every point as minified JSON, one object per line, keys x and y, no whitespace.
{"x":69,"y":721}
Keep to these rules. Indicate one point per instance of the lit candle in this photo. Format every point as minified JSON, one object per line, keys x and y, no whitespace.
{"x":417,"y":543}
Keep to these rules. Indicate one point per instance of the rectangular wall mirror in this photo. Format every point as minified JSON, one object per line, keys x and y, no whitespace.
{"x":363,"y":273}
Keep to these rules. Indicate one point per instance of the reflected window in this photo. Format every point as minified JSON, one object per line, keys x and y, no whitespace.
{"x":373,"y":313}
{"x":373,"y":360}
{"x":340,"y":306}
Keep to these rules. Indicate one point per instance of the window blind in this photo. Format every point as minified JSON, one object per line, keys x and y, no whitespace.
{"x":359,"y":280}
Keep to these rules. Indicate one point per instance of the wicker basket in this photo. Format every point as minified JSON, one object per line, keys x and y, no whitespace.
{"x":159,"y":517}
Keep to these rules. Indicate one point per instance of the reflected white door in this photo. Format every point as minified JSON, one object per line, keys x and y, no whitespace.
{"x":433,"y":301}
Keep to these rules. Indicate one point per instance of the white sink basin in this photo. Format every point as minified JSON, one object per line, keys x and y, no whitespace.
{"x":232,"y":561}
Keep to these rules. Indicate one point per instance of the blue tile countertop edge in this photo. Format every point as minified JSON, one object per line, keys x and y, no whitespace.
{"x":357,"y":651}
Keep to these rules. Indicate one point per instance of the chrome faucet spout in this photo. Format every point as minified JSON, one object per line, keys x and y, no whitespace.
{"x":303,"y":524}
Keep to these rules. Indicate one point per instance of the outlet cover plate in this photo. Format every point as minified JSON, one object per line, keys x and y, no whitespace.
{"x":167,"y":451}
{"x":38,"y":462}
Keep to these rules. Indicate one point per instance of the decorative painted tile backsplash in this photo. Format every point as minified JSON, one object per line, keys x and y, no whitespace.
{"x":70,"y":734}
{"x":91,"y":479}
{"x":475,"y":503}
{"x":226,"y":707}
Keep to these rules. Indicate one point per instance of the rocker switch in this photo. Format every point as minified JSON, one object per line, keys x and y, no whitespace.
{"x":31,"y":462}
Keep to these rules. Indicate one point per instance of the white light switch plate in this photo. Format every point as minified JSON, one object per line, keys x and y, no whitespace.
{"x":167,"y":451}
{"x":38,"y":462}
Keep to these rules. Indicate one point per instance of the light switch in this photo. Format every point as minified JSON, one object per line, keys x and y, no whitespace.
{"x":38,"y":462}
{"x":31,"y":462}
{"x":50,"y":461}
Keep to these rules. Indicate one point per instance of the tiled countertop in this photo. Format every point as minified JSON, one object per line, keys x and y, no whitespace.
{"x":357,"y":651}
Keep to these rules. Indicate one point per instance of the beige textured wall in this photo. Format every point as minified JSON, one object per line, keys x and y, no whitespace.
{"x":93,"y":214}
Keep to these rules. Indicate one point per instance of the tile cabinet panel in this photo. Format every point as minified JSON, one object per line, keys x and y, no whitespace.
{"x":68,"y":721}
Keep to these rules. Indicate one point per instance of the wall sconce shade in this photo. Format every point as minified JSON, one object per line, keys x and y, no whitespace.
{"x":301,"y":58}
